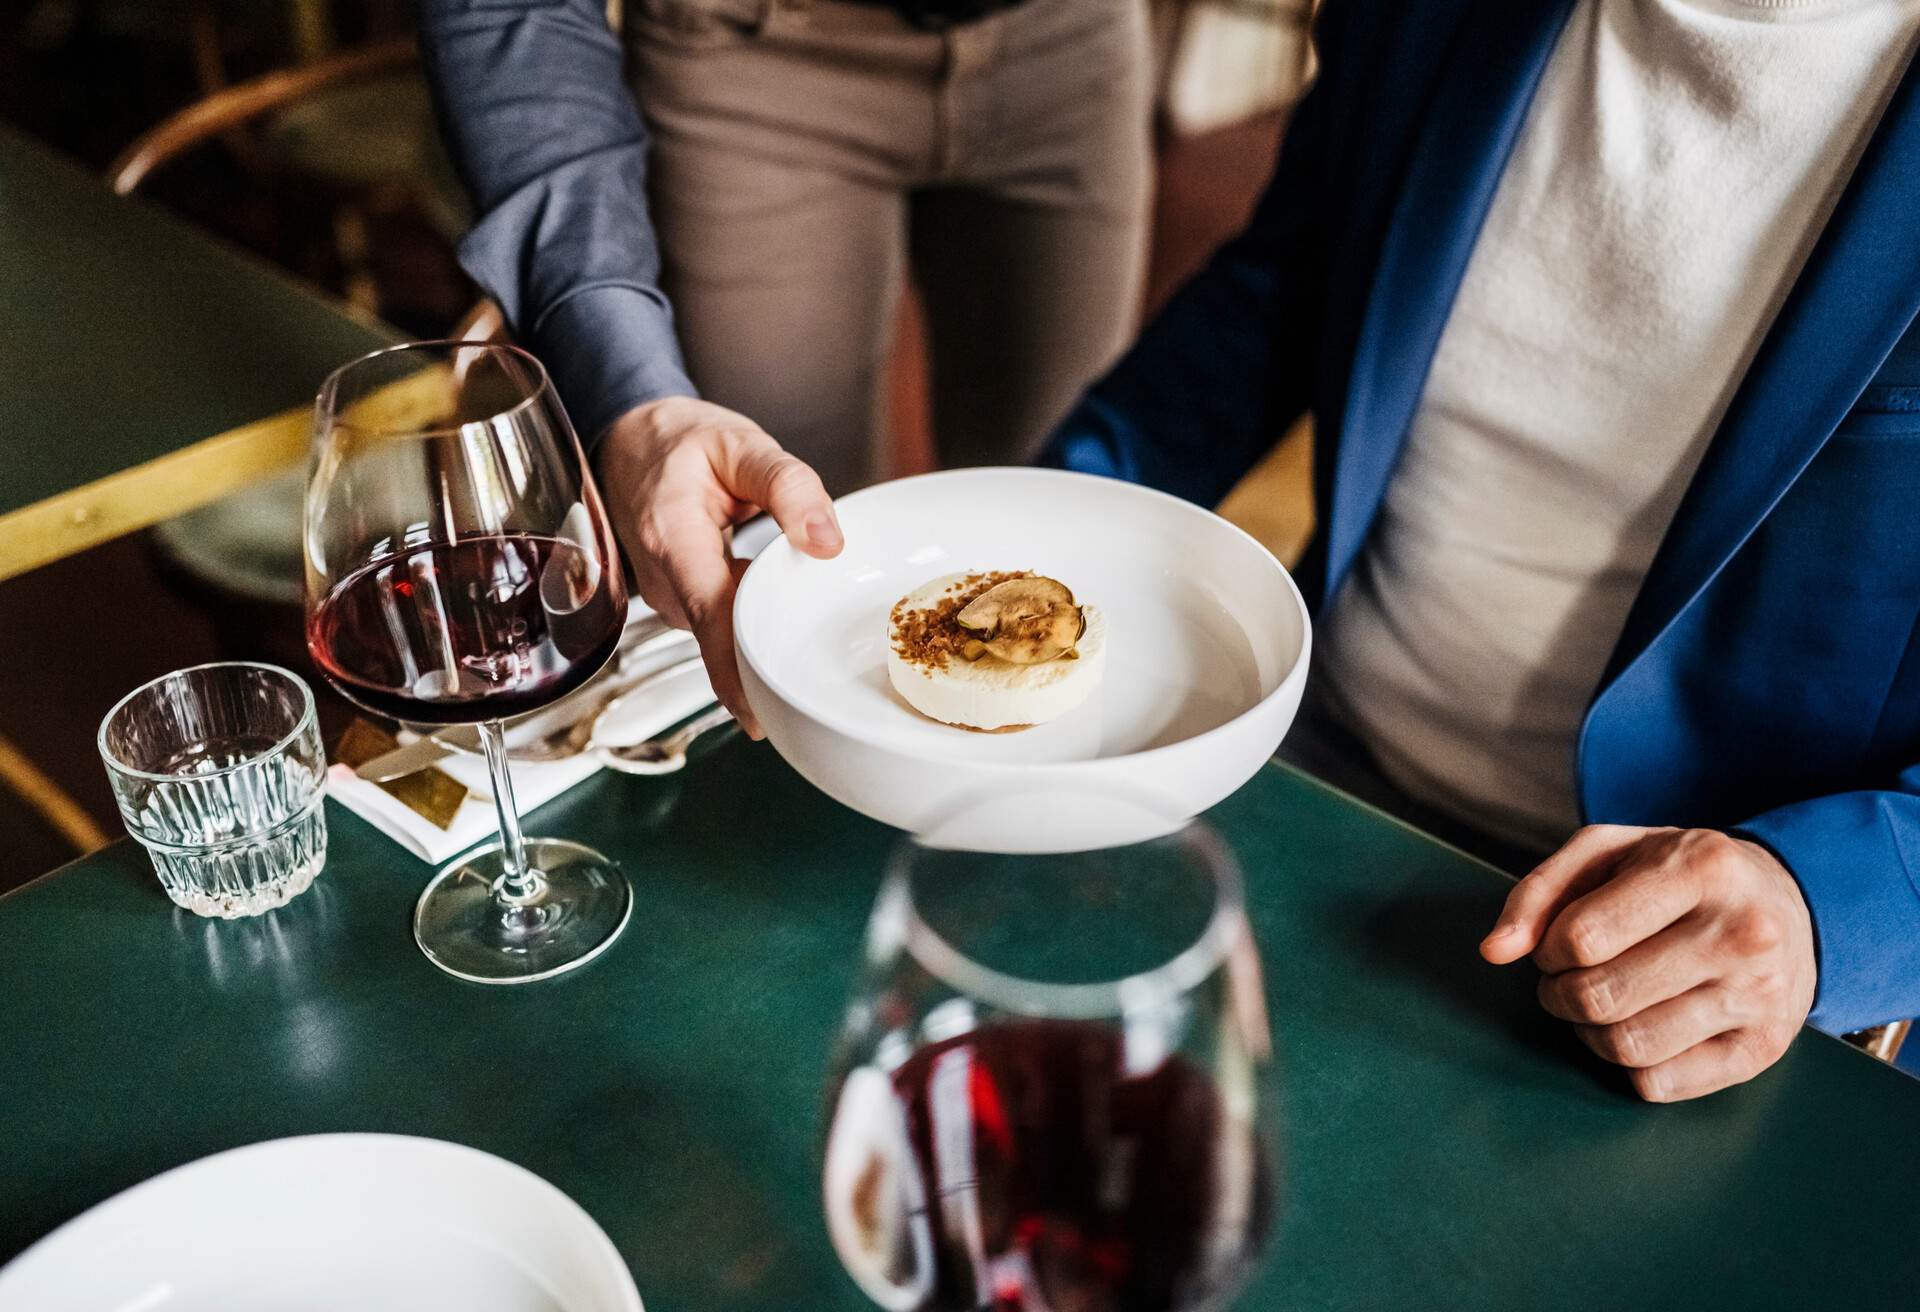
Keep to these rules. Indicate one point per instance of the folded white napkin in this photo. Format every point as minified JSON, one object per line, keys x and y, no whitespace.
{"x":642,"y":714}
{"x":473,"y":822}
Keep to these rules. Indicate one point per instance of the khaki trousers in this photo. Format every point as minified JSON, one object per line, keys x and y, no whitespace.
{"x":809,"y":154}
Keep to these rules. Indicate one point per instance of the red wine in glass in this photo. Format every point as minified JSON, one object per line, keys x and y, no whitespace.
{"x":1053,"y":1177}
{"x":460,"y":570}
{"x":481,"y":629}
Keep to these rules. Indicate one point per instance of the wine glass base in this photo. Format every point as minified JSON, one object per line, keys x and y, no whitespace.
{"x":584,"y":905}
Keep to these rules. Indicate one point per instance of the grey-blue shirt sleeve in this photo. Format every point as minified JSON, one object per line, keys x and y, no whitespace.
{"x":535,"y":110}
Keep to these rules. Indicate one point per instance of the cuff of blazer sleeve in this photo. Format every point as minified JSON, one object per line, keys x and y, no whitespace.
{"x":1846,"y":854}
{"x":1087,"y":442}
{"x":609,"y":347}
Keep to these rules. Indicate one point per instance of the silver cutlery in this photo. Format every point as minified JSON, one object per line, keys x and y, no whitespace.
{"x":644,"y":637}
{"x":410,"y":758}
{"x":562,"y":741}
{"x":665,"y":754}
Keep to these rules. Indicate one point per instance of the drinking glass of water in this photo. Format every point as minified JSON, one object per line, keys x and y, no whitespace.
{"x":218,"y":771}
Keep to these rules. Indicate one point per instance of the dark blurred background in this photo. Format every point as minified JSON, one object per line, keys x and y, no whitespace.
{"x":342,"y":185}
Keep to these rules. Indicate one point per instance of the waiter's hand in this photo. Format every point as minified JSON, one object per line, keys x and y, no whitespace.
{"x":1683,"y":954}
{"x":678,"y":473}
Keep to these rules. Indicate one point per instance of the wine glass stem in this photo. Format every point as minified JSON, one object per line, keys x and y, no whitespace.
{"x":518,"y":884}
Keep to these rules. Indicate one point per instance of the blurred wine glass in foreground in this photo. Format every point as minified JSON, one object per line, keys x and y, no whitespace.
{"x":1050,"y":1094}
{"x":460,"y":569}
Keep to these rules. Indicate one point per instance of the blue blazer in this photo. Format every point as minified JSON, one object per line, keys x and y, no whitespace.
{"x":1768,"y":679}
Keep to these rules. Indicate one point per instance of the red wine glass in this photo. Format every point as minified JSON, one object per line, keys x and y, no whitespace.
{"x":1051,"y":1085}
{"x":460,"y":569}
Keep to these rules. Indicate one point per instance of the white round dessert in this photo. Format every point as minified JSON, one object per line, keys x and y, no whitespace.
{"x":993,"y":694}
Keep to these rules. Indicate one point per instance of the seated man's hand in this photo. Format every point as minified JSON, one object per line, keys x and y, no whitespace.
{"x":1683,"y":954}
{"x":678,"y":473}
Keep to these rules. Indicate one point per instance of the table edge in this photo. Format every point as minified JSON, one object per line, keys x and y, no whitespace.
{"x":70,"y":522}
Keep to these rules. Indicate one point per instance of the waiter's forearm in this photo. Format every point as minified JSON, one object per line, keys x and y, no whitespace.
{"x":535,"y":110}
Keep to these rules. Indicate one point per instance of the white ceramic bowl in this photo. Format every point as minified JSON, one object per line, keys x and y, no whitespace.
{"x":378,"y":1222}
{"x":1207,"y":655}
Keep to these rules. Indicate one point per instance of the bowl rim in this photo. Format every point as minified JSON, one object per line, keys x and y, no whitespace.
{"x":849,"y":729}
{"x":308,"y":718}
{"x":35,"y":1261}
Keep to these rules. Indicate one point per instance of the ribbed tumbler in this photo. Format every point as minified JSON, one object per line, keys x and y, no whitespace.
{"x":219,"y":773}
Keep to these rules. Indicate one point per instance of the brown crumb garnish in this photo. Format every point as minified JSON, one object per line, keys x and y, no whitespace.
{"x":928,"y":635}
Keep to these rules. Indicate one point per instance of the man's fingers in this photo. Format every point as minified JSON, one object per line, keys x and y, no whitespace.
{"x":657,"y":591}
{"x":1648,"y":893}
{"x":1662,"y":967}
{"x":678,"y":471}
{"x":1664,"y":1030}
{"x":701,"y":576}
{"x":756,"y":469}
{"x":1711,"y":1065}
{"x":1583,"y":862}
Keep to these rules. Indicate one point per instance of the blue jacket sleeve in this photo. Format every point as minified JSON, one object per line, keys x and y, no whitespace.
{"x":1856,"y":857}
{"x":1218,"y":376}
{"x":536,"y":113}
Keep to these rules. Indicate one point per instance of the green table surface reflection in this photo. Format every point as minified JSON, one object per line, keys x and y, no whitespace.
{"x":1447,"y":1145}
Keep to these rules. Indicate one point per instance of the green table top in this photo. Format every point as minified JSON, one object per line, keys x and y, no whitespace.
{"x":1448,"y":1145}
{"x":126,"y":334}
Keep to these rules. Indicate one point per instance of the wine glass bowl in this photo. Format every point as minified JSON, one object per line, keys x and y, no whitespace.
{"x":1051,"y":1087}
{"x":517,"y":621}
{"x":461,"y":569}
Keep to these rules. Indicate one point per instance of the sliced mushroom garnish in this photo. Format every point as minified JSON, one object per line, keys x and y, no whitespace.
{"x":1033,"y":595}
{"x":1025,"y":621}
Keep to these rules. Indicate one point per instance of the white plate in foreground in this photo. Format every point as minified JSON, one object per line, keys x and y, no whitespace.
{"x":373,"y":1222}
{"x":1206,"y":657}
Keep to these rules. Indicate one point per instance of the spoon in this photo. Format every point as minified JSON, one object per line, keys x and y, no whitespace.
{"x":582,"y":734}
{"x":561,"y":743}
{"x":662,"y":755}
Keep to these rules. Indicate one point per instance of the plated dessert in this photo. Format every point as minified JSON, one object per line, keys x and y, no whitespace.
{"x":995,"y":651}
{"x":1209,"y":643}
